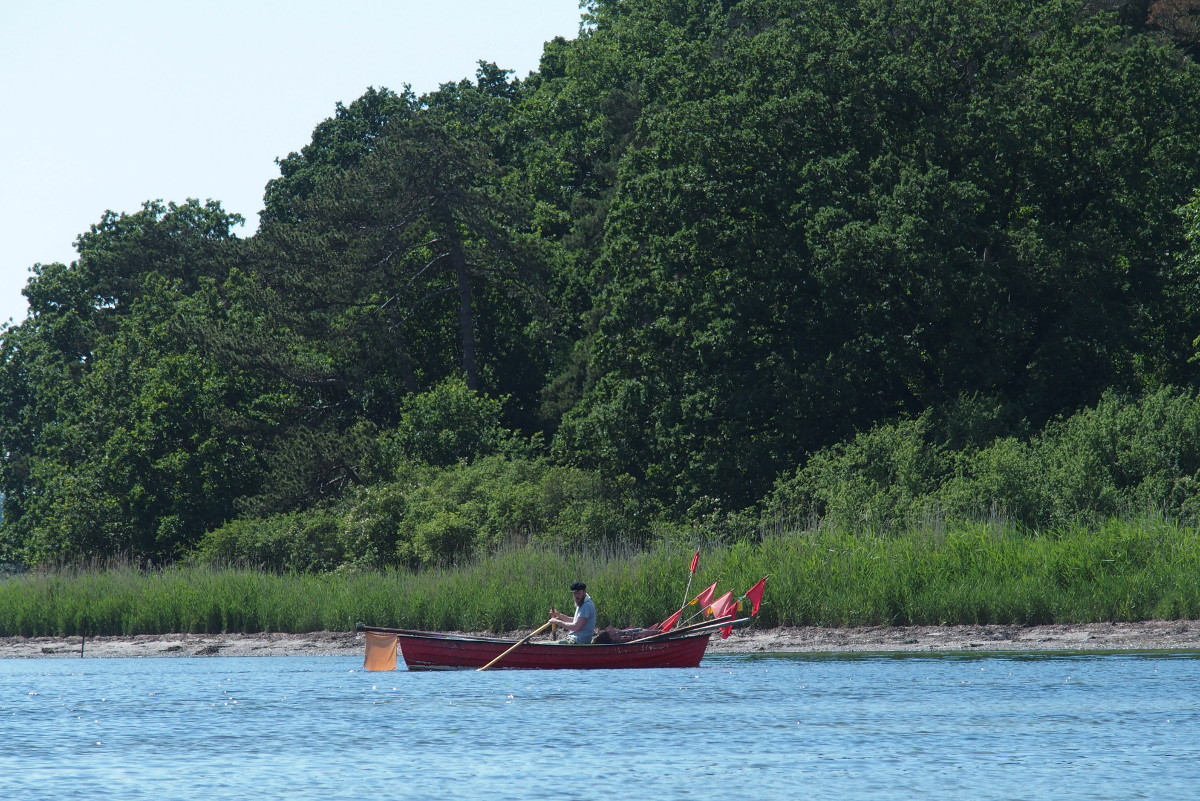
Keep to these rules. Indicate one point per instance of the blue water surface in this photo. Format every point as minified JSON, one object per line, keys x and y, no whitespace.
{"x":1085,"y":726}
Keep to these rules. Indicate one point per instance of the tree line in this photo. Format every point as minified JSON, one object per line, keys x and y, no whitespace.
{"x":715,"y":263}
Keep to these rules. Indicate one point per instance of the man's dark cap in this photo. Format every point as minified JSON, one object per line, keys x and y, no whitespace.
{"x":579,"y":585}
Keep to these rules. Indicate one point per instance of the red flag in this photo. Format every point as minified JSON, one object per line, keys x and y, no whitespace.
{"x":754,"y":594}
{"x":733,"y":608}
{"x":704,"y":598}
{"x":720,"y":607}
{"x":670,"y":622}
{"x":695,"y":562}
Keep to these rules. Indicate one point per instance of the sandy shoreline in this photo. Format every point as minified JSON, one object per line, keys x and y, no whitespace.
{"x":1156,"y":635}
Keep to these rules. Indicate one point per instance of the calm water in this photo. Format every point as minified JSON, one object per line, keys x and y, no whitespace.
{"x":741,"y":728}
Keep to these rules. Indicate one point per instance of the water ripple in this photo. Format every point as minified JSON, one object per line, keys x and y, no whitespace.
{"x":983,"y":727}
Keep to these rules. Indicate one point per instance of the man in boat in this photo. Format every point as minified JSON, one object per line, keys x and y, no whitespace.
{"x":583,"y":624}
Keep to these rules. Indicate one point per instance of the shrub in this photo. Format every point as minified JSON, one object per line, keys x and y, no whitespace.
{"x":448,"y":424}
{"x":296,"y":541}
{"x":434,"y":516}
{"x":471,"y":509}
{"x":1124,"y":457}
{"x":880,"y":480}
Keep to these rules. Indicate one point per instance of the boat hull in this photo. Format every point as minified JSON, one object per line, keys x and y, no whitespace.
{"x":448,"y":652}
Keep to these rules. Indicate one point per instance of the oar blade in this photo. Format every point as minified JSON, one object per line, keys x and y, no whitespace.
{"x":381,"y":651}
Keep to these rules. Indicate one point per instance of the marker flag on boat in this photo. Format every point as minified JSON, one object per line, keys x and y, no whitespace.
{"x":705,"y":597}
{"x":381,"y":651}
{"x":720,"y":607}
{"x":670,"y":622}
{"x":731,"y":609}
{"x":755,"y":593}
{"x":695,"y":562}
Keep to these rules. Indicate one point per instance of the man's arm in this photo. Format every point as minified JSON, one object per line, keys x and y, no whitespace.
{"x":570,"y":624}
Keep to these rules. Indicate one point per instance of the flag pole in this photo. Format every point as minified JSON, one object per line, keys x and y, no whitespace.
{"x":691,"y":573}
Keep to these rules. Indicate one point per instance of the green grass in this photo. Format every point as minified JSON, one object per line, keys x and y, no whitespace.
{"x":1122,"y":571}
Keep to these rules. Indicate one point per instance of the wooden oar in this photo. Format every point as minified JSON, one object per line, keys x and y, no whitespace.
{"x":663,"y":635}
{"x":695,"y":628}
{"x":385,"y":630}
{"x":520,"y":642}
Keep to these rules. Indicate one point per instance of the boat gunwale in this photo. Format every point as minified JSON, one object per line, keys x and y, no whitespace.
{"x":707,"y":627}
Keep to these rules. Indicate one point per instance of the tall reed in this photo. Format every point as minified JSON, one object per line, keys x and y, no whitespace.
{"x":985,"y":573}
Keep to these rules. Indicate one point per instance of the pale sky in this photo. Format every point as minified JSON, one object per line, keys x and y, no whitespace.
{"x":105,"y":104}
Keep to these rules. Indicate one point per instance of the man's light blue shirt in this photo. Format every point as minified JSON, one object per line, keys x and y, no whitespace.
{"x":587,"y":613}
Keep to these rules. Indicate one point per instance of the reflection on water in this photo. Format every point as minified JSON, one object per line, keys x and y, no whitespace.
{"x":895,"y":726}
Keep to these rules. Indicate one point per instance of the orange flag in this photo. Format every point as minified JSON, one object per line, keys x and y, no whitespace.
{"x":754,"y":594}
{"x":381,"y":651}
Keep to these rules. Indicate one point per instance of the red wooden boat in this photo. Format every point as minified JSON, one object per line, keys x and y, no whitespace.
{"x":427,"y":650}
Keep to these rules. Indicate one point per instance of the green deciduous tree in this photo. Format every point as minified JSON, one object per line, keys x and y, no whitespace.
{"x":836,"y":213}
{"x":705,"y":243}
{"x":118,"y":446}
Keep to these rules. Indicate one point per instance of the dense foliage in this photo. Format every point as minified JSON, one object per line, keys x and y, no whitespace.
{"x":717,"y":264}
